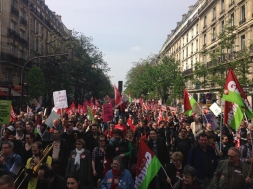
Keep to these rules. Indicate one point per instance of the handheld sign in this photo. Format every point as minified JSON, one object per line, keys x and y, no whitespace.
{"x":5,"y":111}
{"x":60,"y":99}
{"x":215,"y":109}
{"x":107,"y":112}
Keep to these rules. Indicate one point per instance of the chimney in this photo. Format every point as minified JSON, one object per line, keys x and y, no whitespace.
{"x":172,"y":31}
{"x":190,"y":8}
{"x":183,"y":16}
{"x":58,"y":17}
{"x":178,"y":23}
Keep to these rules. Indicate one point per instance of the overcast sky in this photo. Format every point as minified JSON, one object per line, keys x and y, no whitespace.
{"x":124,"y":30}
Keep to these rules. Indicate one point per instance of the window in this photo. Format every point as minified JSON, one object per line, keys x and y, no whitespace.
{"x":197,"y":29}
{"x":213,"y":33}
{"x":13,"y":25}
{"x":204,"y":41}
{"x":14,"y":50}
{"x":183,"y":54}
{"x":22,"y":34}
{"x":187,"y":38}
{"x":197,"y":43}
{"x":186,"y":52}
{"x":222,"y":25}
{"x":22,"y":54}
{"x":243,"y":18}
{"x":192,"y":48}
{"x":204,"y":59}
{"x":205,"y":21}
{"x":232,"y":18}
{"x":222,"y":5}
{"x":36,"y":45}
{"x":214,"y":13}
{"x":23,"y":13}
{"x":191,"y":63}
{"x":9,"y":75}
{"x":242,"y":42}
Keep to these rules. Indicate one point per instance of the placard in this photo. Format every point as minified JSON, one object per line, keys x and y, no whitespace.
{"x":51,"y":118}
{"x":215,"y":109}
{"x":107,"y":112}
{"x":60,"y":99}
{"x":5,"y":111}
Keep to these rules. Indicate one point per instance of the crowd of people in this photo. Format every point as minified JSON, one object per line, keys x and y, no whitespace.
{"x":78,"y":153}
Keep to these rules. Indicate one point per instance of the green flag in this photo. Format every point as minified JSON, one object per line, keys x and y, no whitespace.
{"x":189,"y":103}
{"x":90,"y":113}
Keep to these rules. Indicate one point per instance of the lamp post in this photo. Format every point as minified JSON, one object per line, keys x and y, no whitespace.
{"x":70,"y":57}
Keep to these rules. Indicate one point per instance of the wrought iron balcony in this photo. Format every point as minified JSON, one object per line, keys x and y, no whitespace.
{"x":12,"y":58}
{"x":25,"y":2}
{"x":13,"y":33}
{"x":242,"y":21}
{"x":221,"y":12}
{"x":187,"y":72}
{"x":23,"y":21}
{"x":14,"y":11}
{"x":23,"y":42}
{"x":231,"y":4}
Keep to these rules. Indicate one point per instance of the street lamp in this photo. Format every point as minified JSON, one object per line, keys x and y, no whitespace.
{"x":70,"y":57}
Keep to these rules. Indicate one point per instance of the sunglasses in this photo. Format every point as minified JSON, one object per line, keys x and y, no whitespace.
{"x":102,"y":140}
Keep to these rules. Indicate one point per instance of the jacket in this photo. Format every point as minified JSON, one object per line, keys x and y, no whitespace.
{"x":125,"y":180}
{"x":196,"y":160}
{"x":84,"y":171}
{"x":220,"y":178}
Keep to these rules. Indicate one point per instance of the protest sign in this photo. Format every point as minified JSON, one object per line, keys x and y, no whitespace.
{"x":60,"y":99}
{"x":211,"y":119}
{"x":107,"y":112}
{"x":49,"y":121}
{"x":5,"y":111}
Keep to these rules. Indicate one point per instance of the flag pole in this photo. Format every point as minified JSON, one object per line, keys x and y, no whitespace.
{"x":167,"y":176}
{"x":220,"y":123}
{"x":202,"y":112}
{"x":247,"y":126}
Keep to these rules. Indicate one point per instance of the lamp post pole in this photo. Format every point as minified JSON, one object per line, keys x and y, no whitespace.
{"x":70,"y":56}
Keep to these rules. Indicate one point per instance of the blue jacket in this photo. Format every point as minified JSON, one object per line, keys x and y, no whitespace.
{"x":5,"y":169}
{"x":196,"y":159}
{"x":125,"y":180}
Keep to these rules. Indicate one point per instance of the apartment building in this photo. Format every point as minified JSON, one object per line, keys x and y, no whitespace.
{"x":28,"y":28}
{"x":198,"y":29}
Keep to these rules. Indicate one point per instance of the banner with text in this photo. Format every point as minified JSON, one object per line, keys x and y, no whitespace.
{"x":60,"y":99}
{"x":5,"y":111}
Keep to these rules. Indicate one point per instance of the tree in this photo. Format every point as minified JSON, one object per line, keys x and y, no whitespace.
{"x":213,"y":73}
{"x":36,"y":82}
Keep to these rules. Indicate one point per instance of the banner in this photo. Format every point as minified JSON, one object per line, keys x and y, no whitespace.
{"x":211,"y":119}
{"x":5,"y":111}
{"x":107,"y":112}
{"x":60,"y":99}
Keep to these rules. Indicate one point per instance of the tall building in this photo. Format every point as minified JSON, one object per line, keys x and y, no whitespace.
{"x":28,"y":28}
{"x":198,"y":29}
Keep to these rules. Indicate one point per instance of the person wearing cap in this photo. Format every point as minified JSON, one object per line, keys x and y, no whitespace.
{"x":8,"y":158}
{"x":9,"y":133}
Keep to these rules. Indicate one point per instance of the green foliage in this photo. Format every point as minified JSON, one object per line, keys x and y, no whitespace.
{"x":36,"y":82}
{"x":155,"y":80}
{"x":223,"y":56}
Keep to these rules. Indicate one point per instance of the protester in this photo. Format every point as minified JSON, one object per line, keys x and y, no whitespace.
{"x":203,"y":158}
{"x":232,"y":173}
{"x":189,"y":180}
{"x":7,"y":182}
{"x":73,"y":181}
{"x":118,"y":177}
{"x":80,"y":161}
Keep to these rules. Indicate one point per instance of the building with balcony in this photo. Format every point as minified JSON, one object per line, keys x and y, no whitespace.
{"x":27,"y":27}
{"x":197,"y":31}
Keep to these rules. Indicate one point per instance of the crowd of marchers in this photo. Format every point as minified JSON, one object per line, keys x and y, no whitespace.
{"x":78,"y":153}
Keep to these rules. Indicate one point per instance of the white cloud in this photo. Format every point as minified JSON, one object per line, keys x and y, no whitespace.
{"x":136,"y":48}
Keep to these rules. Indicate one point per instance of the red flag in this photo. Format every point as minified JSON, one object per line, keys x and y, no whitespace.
{"x":117,"y":96}
{"x":228,"y":107}
{"x":73,"y":107}
{"x":140,"y":101}
{"x":187,"y":104}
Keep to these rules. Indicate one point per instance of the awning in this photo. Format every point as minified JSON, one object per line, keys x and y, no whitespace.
{"x":3,"y":93}
{"x":6,"y":91}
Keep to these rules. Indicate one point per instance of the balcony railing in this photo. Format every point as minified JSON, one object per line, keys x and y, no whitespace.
{"x":23,"y":21}
{"x":12,"y":58}
{"x":221,"y":12}
{"x":14,"y":11}
{"x":204,"y":27}
{"x":25,"y":2}
{"x":214,"y":18}
{"x":231,"y":4}
{"x":23,"y":42}
{"x":242,"y":21}
{"x":213,"y":39}
{"x":187,"y":72}
{"x":13,"y":33}
{"x":204,"y":45}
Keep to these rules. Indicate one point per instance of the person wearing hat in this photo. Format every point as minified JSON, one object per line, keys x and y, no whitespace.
{"x":9,"y":133}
